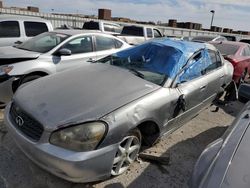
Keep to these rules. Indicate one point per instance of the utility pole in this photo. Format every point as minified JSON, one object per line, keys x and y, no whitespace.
{"x":212,"y":20}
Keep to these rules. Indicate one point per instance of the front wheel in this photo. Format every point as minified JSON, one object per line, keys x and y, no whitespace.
{"x":128,"y":151}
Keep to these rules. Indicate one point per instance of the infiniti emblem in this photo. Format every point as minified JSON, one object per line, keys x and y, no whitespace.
{"x":19,"y":121}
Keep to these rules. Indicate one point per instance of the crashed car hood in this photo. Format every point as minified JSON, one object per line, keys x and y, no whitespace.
{"x":9,"y":55}
{"x":79,"y":95}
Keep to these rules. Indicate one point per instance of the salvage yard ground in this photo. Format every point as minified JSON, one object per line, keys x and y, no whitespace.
{"x":183,"y":147}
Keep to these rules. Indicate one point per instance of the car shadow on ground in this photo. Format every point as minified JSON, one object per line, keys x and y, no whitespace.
{"x":181,"y":157}
{"x":232,"y":108}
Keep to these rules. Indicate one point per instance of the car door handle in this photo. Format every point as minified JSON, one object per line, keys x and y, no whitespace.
{"x":203,"y":87}
{"x":18,"y":42}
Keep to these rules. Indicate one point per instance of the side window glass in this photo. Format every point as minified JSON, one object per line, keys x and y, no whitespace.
{"x":104,"y":43}
{"x":80,"y":45}
{"x":157,"y":34}
{"x":193,"y":70}
{"x":9,"y":29}
{"x":214,"y":63}
{"x":34,"y":28}
{"x":246,"y":51}
{"x":149,"y":33}
{"x":111,"y":28}
{"x":118,"y":44}
{"x":108,"y":27}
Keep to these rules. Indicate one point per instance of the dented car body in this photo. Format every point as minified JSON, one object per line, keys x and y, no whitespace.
{"x":92,"y":121}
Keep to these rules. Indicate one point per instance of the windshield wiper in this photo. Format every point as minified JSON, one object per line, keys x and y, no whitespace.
{"x":137,"y":73}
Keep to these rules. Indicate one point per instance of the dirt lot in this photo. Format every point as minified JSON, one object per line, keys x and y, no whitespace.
{"x":183,"y":147}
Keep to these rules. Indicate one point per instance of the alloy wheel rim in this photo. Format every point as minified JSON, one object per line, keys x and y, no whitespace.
{"x":127,"y":152}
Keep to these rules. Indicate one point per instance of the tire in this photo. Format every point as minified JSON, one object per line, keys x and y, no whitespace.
{"x":29,"y":78}
{"x":127,"y":153}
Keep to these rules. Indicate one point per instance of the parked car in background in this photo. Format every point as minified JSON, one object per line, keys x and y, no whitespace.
{"x":52,"y":52}
{"x":106,"y":111}
{"x":231,"y":37}
{"x":135,"y":35}
{"x":17,"y":29}
{"x":238,"y":54}
{"x":208,"y":38}
{"x":174,"y":37}
{"x":103,"y":26}
{"x":245,"y":40}
{"x":225,"y":162}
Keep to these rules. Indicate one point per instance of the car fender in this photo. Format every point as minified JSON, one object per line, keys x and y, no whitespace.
{"x":27,"y":67}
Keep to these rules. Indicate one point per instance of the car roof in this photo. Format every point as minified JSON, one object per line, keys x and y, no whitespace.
{"x":75,"y":31}
{"x":184,"y":46}
{"x":240,"y":44}
{"x":21,"y":18}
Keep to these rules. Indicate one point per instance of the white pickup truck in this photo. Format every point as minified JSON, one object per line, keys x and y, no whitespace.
{"x":135,"y":35}
{"x":17,"y":29}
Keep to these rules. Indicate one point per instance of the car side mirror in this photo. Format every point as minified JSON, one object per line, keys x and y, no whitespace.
{"x":64,"y":52}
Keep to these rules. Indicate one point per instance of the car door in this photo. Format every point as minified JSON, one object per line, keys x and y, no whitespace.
{"x":82,"y":52}
{"x":214,"y":73}
{"x":192,"y":87}
{"x":10,"y":33}
{"x":105,"y":46}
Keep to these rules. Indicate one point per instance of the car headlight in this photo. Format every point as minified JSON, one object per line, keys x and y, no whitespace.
{"x":84,"y":137}
{"x":5,"y":69}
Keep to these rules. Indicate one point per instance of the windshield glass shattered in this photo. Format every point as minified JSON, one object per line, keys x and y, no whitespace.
{"x":152,"y":61}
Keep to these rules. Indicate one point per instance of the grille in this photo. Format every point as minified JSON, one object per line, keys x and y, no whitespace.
{"x":27,"y":125}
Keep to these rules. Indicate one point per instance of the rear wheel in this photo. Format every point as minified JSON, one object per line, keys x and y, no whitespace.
{"x":128,"y":151}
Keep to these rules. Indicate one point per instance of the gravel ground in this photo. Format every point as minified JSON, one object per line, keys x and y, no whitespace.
{"x":182,"y":148}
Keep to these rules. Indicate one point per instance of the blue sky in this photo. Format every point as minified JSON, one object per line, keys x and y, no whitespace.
{"x":228,"y":13}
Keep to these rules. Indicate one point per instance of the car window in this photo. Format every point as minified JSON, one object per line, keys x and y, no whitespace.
{"x":44,"y":42}
{"x":91,"y":25}
{"x":245,"y":40}
{"x":156,"y":33}
{"x":226,"y":49}
{"x":111,"y":28}
{"x":149,"y":33}
{"x":193,"y":70}
{"x":80,"y":45}
{"x":104,"y":43}
{"x":246,"y":51}
{"x":215,"y":62}
{"x":220,"y":39}
{"x":9,"y":29}
{"x":132,"y":30}
{"x":118,"y":44}
{"x":34,"y":28}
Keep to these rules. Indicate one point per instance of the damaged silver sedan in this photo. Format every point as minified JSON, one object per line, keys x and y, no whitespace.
{"x":87,"y":124}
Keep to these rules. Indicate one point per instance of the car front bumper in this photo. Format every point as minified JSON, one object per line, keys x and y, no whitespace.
{"x":69,"y":165}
